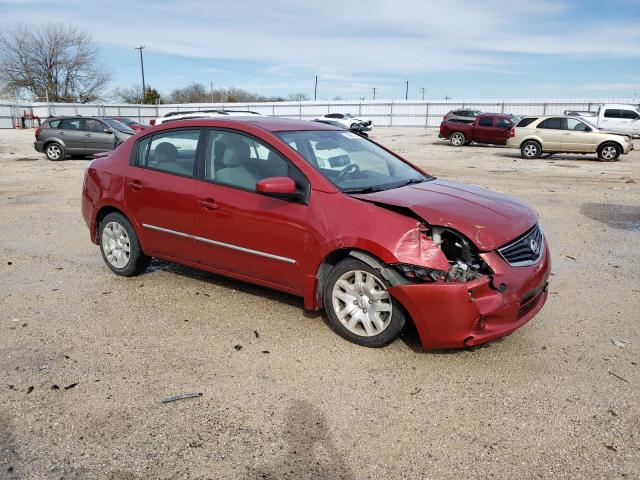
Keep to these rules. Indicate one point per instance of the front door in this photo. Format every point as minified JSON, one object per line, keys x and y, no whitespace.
{"x":577,"y":137}
{"x":98,"y":136}
{"x":239,"y":230}
{"x":160,"y":192}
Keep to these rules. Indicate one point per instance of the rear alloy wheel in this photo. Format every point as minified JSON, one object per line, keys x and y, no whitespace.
{"x":530,"y":150}
{"x":609,"y":152}
{"x":120,"y":247}
{"x":54,"y":152}
{"x":458,"y":139}
{"x":358,"y":306}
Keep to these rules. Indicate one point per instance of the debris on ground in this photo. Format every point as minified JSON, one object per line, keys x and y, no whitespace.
{"x":55,"y":387}
{"x":620,"y":343}
{"x":70,"y":386}
{"x":30,"y":389}
{"x":265,"y":351}
{"x":255,"y":332}
{"x":181,"y":396}
{"x":238,"y":347}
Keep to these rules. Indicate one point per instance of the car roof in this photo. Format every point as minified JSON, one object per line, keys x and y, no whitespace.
{"x":271,"y":124}
{"x":501,"y":115}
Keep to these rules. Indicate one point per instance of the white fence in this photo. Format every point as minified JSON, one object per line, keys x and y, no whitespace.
{"x":384,"y":113}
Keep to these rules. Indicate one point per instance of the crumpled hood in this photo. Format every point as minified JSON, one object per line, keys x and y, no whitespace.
{"x":490,"y":220}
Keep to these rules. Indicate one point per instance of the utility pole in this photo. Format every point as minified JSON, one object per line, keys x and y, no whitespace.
{"x":144,"y":89}
{"x":212,"y":92}
{"x":374,"y":92}
{"x":406,"y":90}
{"x":315,"y":90}
{"x":422,"y":93}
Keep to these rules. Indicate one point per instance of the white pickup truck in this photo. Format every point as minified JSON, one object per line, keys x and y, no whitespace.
{"x":613,"y":117}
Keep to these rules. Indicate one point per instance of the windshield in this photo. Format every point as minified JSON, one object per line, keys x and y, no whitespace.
{"x":350,"y":162}
{"x":348,"y":115}
{"x":588,"y":123}
{"x":118,"y":126}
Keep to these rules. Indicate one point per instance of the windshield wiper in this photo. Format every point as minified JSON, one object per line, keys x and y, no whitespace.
{"x":411,"y":181}
{"x":363,"y":190}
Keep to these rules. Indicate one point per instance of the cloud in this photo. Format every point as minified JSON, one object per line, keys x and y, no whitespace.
{"x":610,"y":86}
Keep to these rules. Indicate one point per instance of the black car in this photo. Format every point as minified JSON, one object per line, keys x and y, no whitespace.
{"x":62,"y":136}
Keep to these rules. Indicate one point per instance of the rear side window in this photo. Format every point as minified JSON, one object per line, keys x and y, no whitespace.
{"x":486,"y":122}
{"x":55,"y":123}
{"x":71,"y":124}
{"x":629,"y":114}
{"x":503,"y":123}
{"x":171,"y":152}
{"x":612,"y":113}
{"x":525,"y":122}
{"x":551,"y":123}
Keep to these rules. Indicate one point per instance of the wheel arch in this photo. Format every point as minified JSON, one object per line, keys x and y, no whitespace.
{"x":606,"y":142}
{"x":335,"y":256}
{"x":532,"y":139}
{"x":105,"y":210}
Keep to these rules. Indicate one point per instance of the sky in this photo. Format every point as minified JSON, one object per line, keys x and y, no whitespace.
{"x":458,"y":49}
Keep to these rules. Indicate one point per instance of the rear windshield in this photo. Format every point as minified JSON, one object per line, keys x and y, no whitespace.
{"x":526,"y":121}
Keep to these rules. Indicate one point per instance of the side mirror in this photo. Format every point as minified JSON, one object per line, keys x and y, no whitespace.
{"x":587,"y":129}
{"x":108,"y":130}
{"x":283,"y":187}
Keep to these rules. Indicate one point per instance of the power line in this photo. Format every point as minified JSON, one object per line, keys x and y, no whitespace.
{"x":141,"y":47}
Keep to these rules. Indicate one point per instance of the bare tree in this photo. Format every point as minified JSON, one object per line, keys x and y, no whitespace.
{"x":134,"y":95}
{"x":58,"y":62}
{"x":298,"y":97}
{"x":198,"y":93}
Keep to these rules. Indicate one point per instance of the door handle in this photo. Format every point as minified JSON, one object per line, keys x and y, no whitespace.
{"x":87,"y":134}
{"x":135,"y":185}
{"x":209,"y":204}
{"x":61,"y":133}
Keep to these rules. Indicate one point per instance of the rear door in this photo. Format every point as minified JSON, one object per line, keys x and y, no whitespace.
{"x":484,"y":130}
{"x":550,"y":131}
{"x":160,"y":191}
{"x":71,"y":132}
{"x":99,"y":137}
{"x":577,"y":136}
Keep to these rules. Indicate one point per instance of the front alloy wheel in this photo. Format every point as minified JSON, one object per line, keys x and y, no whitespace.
{"x":116,"y":245}
{"x":358,"y":305}
{"x":120,"y":247}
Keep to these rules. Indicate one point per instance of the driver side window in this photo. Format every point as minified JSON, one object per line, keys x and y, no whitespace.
{"x":241,"y":161}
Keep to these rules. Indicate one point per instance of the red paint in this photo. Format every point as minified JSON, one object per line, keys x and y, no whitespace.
{"x":476,"y":132}
{"x":305,"y":231}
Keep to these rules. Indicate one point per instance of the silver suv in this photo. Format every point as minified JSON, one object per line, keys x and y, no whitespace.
{"x":59,"y":137}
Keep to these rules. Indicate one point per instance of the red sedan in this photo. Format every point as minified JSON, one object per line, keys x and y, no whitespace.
{"x":325,"y":214}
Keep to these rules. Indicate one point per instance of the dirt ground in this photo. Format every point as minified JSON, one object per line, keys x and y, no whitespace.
{"x":86,"y":356}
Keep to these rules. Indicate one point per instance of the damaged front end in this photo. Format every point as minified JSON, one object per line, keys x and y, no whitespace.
{"x":438,"y":254}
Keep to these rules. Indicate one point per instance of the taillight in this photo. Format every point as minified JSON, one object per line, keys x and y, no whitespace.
{"x":512,"y":132}
{"x":38,"y":130}
{"x":152,"y":122}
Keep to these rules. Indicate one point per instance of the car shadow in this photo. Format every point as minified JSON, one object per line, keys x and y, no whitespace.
{"x":309,"y":451}
{"x":226,"y":282}
{"x":589,"y":157}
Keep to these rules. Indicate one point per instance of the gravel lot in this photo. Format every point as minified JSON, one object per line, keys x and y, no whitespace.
{"x":86,"y":356}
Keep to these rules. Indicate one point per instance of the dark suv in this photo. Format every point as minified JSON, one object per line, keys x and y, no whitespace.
{"x":59,"y":137}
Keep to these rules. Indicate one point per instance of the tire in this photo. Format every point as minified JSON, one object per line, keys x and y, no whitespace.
{"x":530,"y":149}
{"x":353,"y":126}
{"x":457,"y":139}
{"x":115,"y":235}
{"x":609,"y":152}
{"x":54,"y":151}
{"x":375,"y":319}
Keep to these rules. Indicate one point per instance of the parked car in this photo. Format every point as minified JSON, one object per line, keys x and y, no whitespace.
{"x":348,"y":121}
{"x":613,"y":117}
{"x":58,"y":137}
{"x":171,"y":116}
{"x":552,"y":134}
{"x":132,"y":124}
{"x":376,"y":244}
{"x":487,"y":128}
{"x":359,"y":128}
{"x":462,"y":116}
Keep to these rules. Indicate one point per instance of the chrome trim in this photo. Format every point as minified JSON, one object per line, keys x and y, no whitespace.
{"x":220,"y":244}
{"x":526,"y":263}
